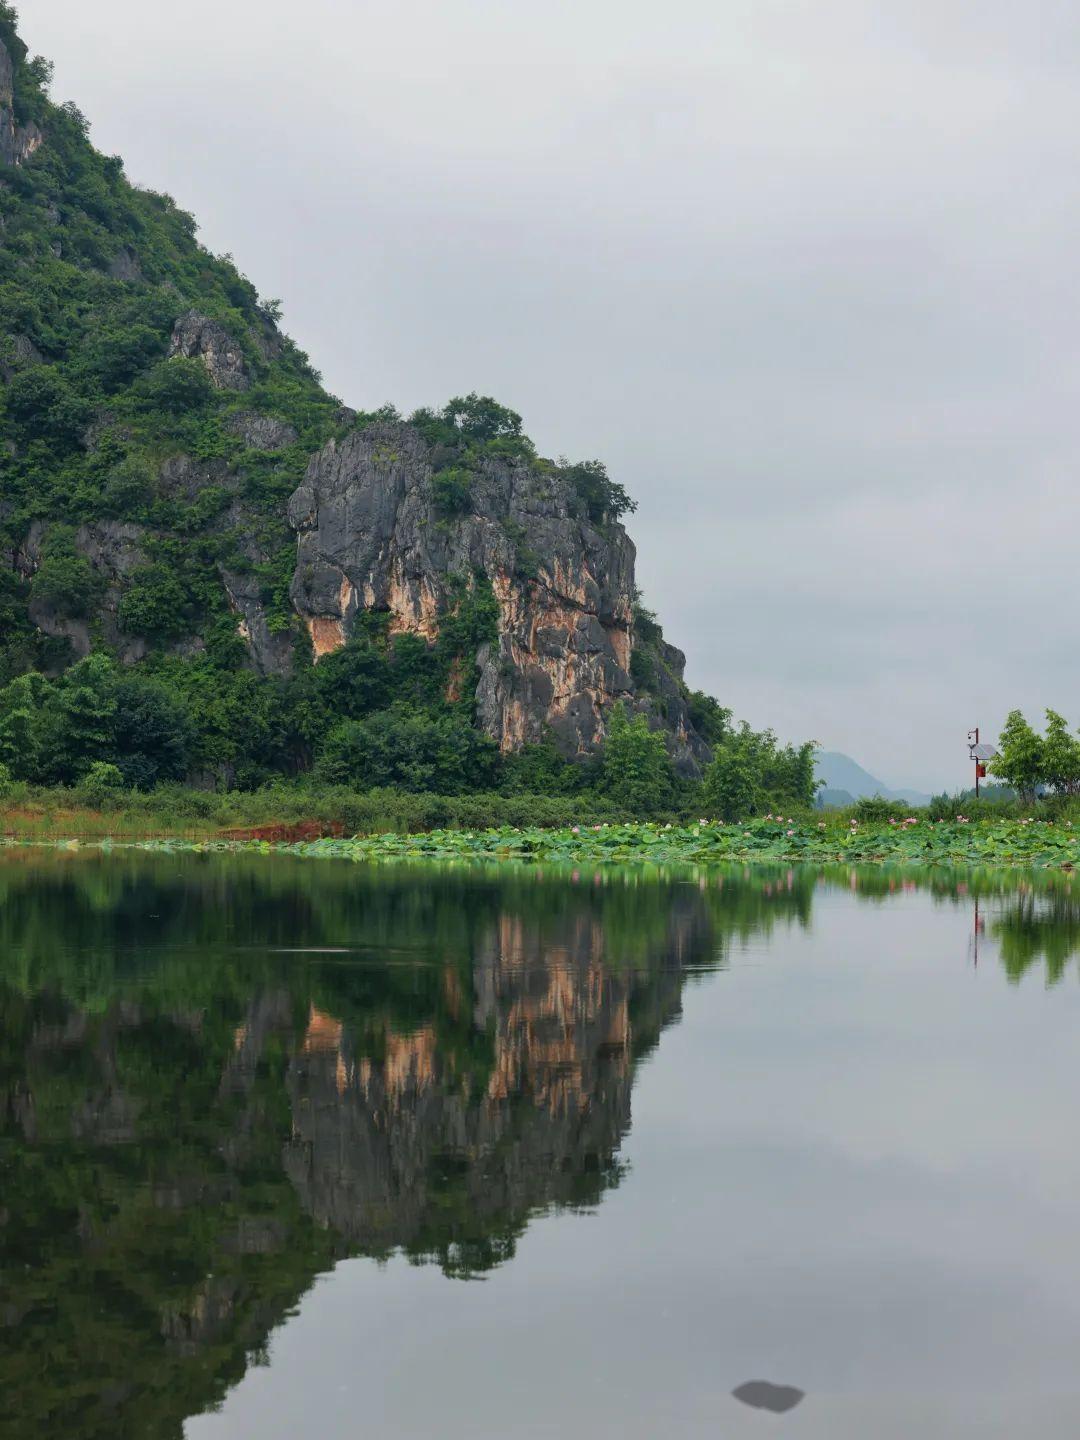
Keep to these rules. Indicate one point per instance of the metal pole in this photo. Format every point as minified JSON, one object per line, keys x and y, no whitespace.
{"x":976,"y":765}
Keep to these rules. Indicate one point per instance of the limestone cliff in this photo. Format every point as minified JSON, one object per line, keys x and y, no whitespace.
{"x":17,"y":142}
{"x":372,"y":535}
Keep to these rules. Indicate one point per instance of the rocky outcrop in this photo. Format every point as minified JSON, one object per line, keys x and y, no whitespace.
{"x":125,"y":266}
{"x":196,"y":335}
{"x":17,"y":352}
{"x":261,"y":432}
{"x":17,"y":142}
{"x":372,"y":535}
{"x":113,"y":548}
{"x":271,"y":653}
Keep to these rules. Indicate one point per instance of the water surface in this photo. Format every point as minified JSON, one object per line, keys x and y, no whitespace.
{"x":301,"y":1147}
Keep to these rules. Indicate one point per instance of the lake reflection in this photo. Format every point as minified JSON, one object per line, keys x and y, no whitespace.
{"x":224,"y":1077}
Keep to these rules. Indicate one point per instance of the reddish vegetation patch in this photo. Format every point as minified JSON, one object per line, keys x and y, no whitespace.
{"x":299,"y":830}
{"x":453,"y":682}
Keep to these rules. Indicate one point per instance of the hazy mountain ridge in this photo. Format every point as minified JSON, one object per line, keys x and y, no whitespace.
{"x":846,"y":780}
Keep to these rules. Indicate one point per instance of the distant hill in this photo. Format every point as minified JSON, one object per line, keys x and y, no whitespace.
{"x":846,"y":781}
{"x":828,"y":799}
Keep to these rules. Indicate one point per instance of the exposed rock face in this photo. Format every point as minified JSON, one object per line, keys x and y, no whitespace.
{"x":197,"y":335}
{"x":372,"y":536}
{"x":17,"y":352}
{"x":271,"y":654}
{"x":125,"y":266}
{"x":17,"y":142}
{"x":113,"y":549}
{"x":261,"y":432}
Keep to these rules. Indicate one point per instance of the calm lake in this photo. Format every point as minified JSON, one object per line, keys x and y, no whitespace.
{"x":298,"y":1148}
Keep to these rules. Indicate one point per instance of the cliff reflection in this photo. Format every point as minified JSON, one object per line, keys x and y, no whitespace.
{"x":217,"y":1077}
{"x":220,"y":1075}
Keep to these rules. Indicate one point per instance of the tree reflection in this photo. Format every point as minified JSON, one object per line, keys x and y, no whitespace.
{"x":218,"y":1076}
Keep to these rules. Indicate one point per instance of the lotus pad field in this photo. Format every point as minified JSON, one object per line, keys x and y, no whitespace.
{"x":1036,"y":844}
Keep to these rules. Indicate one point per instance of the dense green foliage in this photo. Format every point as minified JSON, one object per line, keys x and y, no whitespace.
{"x":637,"y":771}
{"x":751,"y":772}
{"x":167,"y":718}
{"x":1029,"y":762}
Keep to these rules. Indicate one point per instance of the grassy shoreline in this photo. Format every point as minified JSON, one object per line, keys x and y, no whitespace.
{"x":276,"y":812}
{"x":1034,"y":844}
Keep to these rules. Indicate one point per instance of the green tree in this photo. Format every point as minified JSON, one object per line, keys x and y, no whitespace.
{"x":152,"y":733}
{"x":602,"y":498}
{"x":731,"y":784}
{"x":752,"y":770}
{"x":636,"y":768}
{"x":1060,"y":756}
{"x":128,"y":488}
{"x":81,"y":718}
{"x":709,"y":718}
{"x":116,"y":355}
{"x":22,"y":706}
{"x":452,"y":489}
{"x":1021,"y":759}
{"x":479,"y":417}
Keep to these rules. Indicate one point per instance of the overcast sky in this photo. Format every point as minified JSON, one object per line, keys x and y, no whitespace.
{"x":805,"y":275}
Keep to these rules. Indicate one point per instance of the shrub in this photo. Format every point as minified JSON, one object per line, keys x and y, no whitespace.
{"x":115,"y":357}
{"x":179,"y":385}
{"x":101,"y":782}
{"x":155,"y":604}
{"x":875,"y":807}
{"x":42,"y":405}
{"x":601,"y":497}
{"x":128,"y":488}
{"x":67,"y":584}
{"x":417,"y":750}
{"x":452,"y":489}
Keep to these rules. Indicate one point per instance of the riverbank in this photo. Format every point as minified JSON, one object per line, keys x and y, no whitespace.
{"x":279,"y":813}
{"x":1035,"y":844}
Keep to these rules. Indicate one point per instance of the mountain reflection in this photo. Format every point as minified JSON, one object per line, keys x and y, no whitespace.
{"x":221,"y":1074}
{"x":218,"y":1076}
